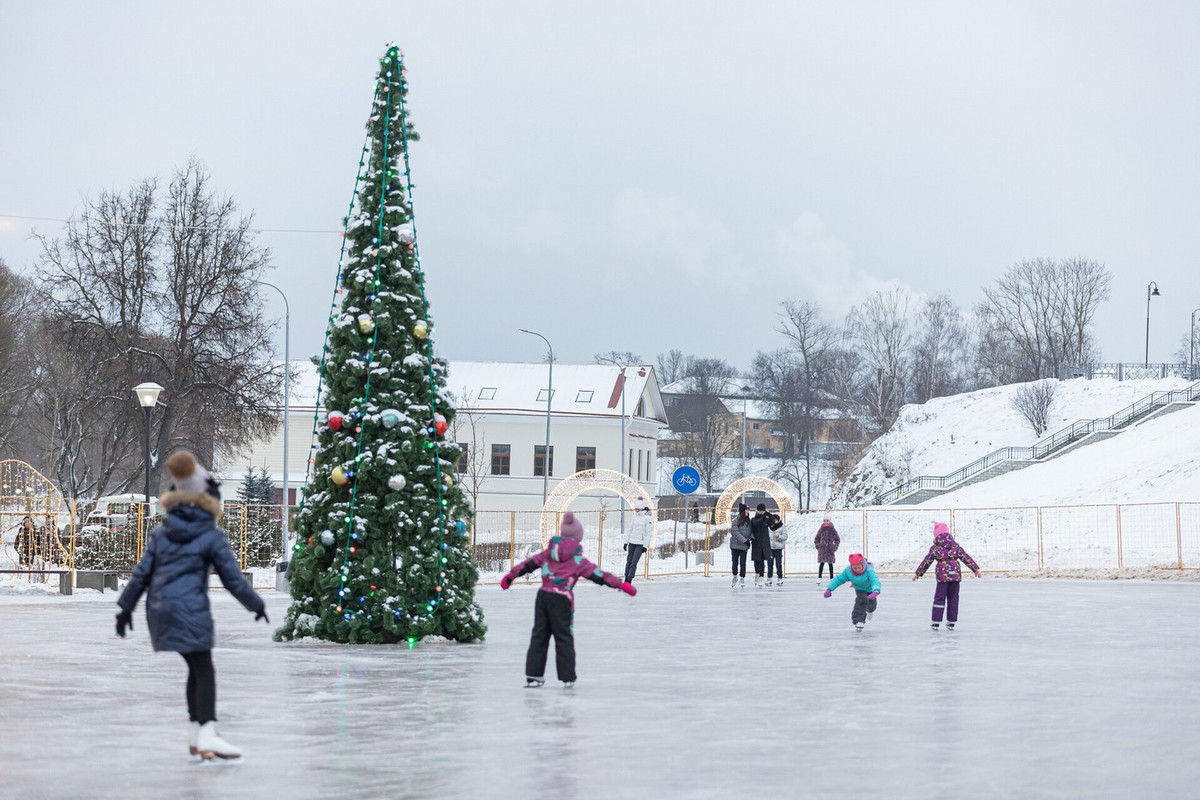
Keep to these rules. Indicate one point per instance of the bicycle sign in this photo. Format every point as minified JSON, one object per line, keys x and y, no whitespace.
{"x":686,"y":480}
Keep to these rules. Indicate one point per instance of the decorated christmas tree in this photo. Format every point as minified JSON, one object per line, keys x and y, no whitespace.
{"x":381,"y":552}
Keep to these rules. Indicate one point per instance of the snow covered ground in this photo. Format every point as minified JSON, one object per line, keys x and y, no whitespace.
{"x":1049,"y":689}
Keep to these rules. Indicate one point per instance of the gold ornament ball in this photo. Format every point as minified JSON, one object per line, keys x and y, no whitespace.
{"x":366,"y":323}
{"x":446,"y":479}
{"x":339,"y":476}
{"x":420,"y":330}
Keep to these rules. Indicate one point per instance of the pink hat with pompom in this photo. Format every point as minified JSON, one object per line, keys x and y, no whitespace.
{"x":571,"y":527}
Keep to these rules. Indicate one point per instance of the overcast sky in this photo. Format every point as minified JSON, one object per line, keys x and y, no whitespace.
{"x":645,"y":175}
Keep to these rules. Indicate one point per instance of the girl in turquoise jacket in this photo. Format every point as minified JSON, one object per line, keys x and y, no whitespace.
{"x":862,"y":577}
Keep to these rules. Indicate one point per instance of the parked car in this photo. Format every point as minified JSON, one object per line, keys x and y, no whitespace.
{"x":113,"y":513}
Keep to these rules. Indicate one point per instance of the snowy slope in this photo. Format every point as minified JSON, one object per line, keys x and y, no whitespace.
{"x":939,"y":437}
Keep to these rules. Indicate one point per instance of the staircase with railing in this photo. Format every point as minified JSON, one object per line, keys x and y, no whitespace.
{"x":917,"y":490}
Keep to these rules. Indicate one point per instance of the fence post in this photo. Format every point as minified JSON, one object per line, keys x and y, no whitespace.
{"x":865,"y":547}
{"x":1120,"y":558}
{"x":600,"y":546}
{"x":1039,"y":535}
{"x":707,"y":552}
{"x":1179,"y":536}
{"x":512,"y":544}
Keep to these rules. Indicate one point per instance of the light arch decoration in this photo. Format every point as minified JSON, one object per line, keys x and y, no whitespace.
{"x":590,"y":480}
{"x":26,"y":492}
{"x":753,"y":483}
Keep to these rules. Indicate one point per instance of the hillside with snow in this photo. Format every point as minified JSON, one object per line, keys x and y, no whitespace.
{"x":1156,"y":460}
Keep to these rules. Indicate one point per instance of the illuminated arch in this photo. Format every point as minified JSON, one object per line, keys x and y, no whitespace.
{"x":754,"y":483}
{"x":589,"y":480}
{"x":26,"y":492}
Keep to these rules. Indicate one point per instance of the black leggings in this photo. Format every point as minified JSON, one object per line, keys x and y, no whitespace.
{"x":739,"y":562}
{"x":821,"y":569}
{"x":201,"y":686}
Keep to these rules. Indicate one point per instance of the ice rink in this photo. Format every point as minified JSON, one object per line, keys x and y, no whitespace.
{"x":1049,"y":689}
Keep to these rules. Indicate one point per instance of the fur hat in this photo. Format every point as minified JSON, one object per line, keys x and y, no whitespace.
{"x":190,"y":484}
{"x":571,"y":527}
{"x":762,"y":507}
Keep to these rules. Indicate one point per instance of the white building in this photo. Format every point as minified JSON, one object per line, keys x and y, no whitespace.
{"x":501,"y":421}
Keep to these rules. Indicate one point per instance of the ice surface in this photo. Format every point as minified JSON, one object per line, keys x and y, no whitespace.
{"x":1050,"y":689}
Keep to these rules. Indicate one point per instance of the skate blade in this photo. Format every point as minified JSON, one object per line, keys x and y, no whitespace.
{"x":216,"y":759}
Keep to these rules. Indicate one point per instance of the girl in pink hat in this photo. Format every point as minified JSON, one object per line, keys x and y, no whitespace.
{"x":562,"y":564}
{"x":947,"y":553}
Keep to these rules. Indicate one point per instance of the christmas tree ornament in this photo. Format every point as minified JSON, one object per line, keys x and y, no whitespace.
{"x":439,"y":424}
{"x":397,"y":482}
{"x":339,"y":476}
{"x":334,"y":420}
{"x":327,"y":538}
{"x":460,"y":527}
{"x":390,"y":418}
{"x":366,"y":323}
{"x":446,"y":479}
{"x":420,"y":330}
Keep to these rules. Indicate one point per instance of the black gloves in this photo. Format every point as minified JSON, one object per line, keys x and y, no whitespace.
{"x":124,"y":621}
{"x":262,"y":614}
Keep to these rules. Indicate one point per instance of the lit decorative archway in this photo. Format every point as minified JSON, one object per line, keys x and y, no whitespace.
{"x":588,"y":480}
{"x":25,"y":492}
{"x":754,"y":483}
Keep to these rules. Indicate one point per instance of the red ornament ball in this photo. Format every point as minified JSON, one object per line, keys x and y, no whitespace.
{"x":335,"y":421}
{"x":439,"y":424}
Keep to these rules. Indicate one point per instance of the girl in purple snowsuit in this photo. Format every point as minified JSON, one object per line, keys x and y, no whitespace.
{"x":947,"y":553}
{"x":562,"y":565}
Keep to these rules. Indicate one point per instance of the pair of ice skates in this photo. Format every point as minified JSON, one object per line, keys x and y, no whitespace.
{"x":204,"y":744}
{"x":537,"y":683}
{"x":949,"y":625}
{"x":758,"y":582}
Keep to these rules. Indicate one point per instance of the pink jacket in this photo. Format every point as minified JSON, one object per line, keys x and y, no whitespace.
{"x":562,"y":565}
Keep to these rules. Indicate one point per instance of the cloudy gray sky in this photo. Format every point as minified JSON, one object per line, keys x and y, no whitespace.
{"x":645,"y":175}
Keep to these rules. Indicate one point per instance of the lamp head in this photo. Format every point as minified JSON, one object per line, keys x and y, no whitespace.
{"x":147,"y":393}
{"x":1155,"y":292}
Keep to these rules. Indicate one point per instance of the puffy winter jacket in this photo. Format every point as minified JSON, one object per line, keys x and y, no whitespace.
{"x":762,"y":525}
{"x":778,"y":539}
{"x":562,"y":565}
{"x":947,"y":553}
{"x":739,"y":535}
{"x":867,"y":582}
{"x":642,"y":531}
{"x":826,"y":541}
{"x":174,"y":569}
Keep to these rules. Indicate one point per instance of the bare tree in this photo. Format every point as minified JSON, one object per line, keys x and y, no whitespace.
{"x":1033,"y":402}
{"x":939,"y":350}
{"x":469,"y":432}
{"x":708,"y":429}
{"x":165,"y":291}
{"x":672,"y":366}
{"x":16,"y":366}
{"x":619,"y":356}
{"x":1043,"y":309}
{"x":879,"y":330}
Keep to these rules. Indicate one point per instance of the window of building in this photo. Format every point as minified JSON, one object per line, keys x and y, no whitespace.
{"x":462,"y":459}
{"x":501,"y":454}
{"x":755,"y":426}
{"x":584,"y":396}
{"x":585,"y":458}
{"x":539,"y":458}
{"x":639,"y":465}
{"x":629,"y":469}
{"x":487,"y":393}
{"x":544,"y":395}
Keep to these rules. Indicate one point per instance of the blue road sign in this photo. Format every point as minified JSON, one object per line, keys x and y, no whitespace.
{"x":686,"y":480}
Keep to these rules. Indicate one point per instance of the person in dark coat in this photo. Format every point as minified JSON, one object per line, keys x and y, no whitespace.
{"x":826,"y":542}
{"x":174,"y":572}
{"x":739,"y":542}
{"x":761,"y":526}
{"x":26,"y":542}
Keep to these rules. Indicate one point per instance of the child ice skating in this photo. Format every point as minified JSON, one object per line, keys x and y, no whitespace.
{"x":778,"y":543}
{"x":562,"y":565}
{"x":947,"y":553}
{"x":174,"y":570}
{"x":862,"y":577}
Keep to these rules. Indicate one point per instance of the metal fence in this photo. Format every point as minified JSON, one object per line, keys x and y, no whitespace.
{"x":1036,"y":540}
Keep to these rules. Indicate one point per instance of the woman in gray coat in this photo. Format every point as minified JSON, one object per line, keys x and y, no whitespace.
{"x":739,"y":544}
{"x":173,"y":571}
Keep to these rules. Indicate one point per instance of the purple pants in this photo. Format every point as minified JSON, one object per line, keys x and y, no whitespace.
{"x":945,"y":598}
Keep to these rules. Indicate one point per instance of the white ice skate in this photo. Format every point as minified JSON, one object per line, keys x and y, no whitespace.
{"x":193,"y":737}
{"x":933,"y":625}
{"x":769,"y":581}
{"x":742,"y":583}
{"x":734,"y":581}
{"x":949,"y":626}
{"x":758,"y":581}
{"x":534,"y":683}
{"x":858,"y":626}
{"x":568,"y":684}
{"x":869,"y":615}
{"x":779,"y":582}
{"x":213,"y":747}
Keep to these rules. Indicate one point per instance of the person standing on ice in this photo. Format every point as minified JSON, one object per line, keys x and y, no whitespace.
{"x":947,"y":553}
{"x":862,"y":577}
{"x":760,"y":551}
{"x":562,"y":564}
{"x":174,"y":570}
{"x":826,"y":541}
{"x":739,"y":543}
{"x":640,"y":536}
{"x":779,"y":539}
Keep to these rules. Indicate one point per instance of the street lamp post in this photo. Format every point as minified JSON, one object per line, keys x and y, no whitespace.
{"x":1149,"y":294}
{"x":147,"y":395}
{"x":621,"y":453}
{"x":1192,"y":350}
{"x":287,"y":385}
{"x":744,"y":396}
{"x":549,"y":397}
